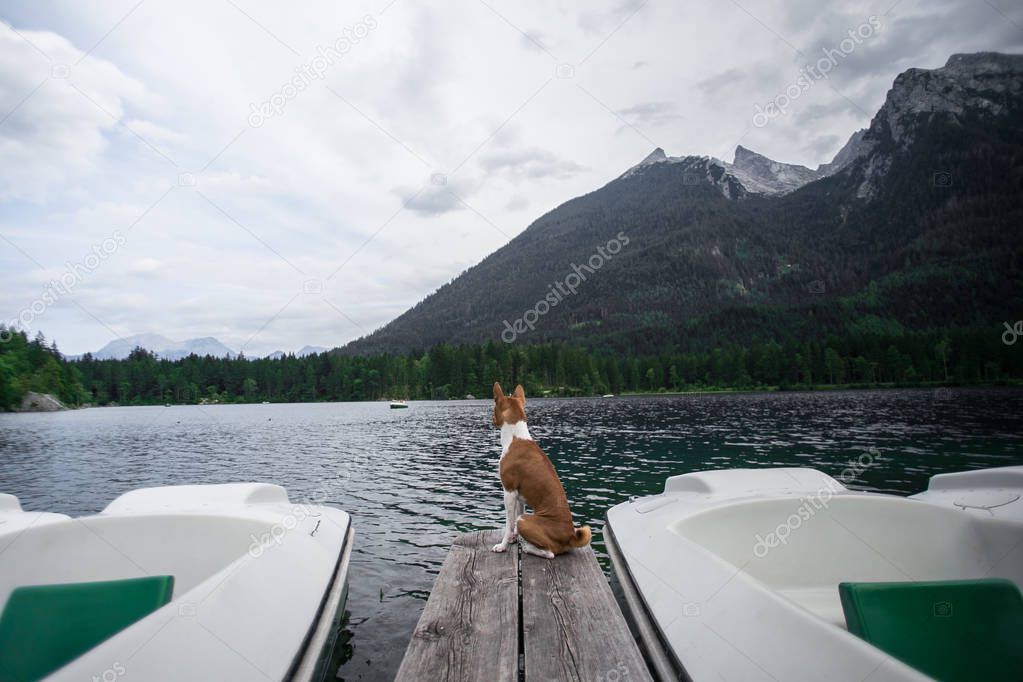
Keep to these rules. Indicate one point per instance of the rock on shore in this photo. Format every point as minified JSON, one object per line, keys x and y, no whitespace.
{"x":40,"y":402}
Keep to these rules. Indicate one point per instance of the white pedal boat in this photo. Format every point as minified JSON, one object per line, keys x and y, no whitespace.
{"x":734,"y":574}
{"x":259,"y":583}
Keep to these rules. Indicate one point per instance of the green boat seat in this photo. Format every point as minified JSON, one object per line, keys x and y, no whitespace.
{"x":952,"y":630}
{"x":43,"y":627}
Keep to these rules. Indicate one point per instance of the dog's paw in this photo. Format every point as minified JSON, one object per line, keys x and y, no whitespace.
{"x":547,"y":554}
{"x":499,"y":547}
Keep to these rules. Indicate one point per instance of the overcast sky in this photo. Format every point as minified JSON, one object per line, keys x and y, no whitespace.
{"x":138,"y":165}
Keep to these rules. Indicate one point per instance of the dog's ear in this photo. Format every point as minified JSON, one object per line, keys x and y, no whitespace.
{"x":519,"y":393}
{"x":498,"y":393}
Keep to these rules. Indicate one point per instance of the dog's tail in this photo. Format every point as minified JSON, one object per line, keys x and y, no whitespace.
{"x":582,"y":537}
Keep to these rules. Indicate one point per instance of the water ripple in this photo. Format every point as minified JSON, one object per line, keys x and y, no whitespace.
{"x":414,"y":478}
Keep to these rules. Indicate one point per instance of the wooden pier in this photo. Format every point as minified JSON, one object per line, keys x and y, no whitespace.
{"x":514,"y":617}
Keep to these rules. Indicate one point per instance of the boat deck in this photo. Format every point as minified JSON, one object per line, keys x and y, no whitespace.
{"x":511,"y":616}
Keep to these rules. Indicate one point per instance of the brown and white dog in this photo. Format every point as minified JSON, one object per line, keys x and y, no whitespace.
{"x":528,"y":477}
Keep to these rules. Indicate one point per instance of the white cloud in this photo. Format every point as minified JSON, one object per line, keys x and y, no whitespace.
{"x":145,"y":266}
{"x":652,"y":113}
{"x":436,"y":197}
{"x":528,"y":163}
{"x":60,"y":113}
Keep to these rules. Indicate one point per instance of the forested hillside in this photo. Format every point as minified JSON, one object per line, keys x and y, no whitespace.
{"x":955,"y":357}
{"x":960,"y":357}
{"x":35,"y":366}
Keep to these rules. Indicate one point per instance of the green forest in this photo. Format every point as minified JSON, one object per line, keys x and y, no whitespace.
{"x":953,"y":357}
{"x":36,"y":366}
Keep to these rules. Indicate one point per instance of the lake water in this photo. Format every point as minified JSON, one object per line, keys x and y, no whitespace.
{"x":414,"y":478}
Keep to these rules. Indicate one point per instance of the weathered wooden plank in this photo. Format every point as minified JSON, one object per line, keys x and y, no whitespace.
{"x":469,"y":628}
{"x":572,"y":626}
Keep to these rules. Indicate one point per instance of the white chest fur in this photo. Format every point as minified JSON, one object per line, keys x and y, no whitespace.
{"x":509,"y":431}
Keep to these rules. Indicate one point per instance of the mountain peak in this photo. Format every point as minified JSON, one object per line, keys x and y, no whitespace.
{"x":974,"y":61}
{"x":164,"y":347}
{"x":983,"y":81}
{"x":744,"y":156}
{"x":762,"y":175}
{"x":656,"y":156}
{"x":750,"y":173}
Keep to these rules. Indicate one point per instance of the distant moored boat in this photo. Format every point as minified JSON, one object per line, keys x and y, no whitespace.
{"x":399,"y":404}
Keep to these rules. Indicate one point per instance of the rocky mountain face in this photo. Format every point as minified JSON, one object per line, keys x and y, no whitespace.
{"x":851,"y":150}
{"x":762,"y":175}
{"x":968,"y":91}
{"x":916,"y":224}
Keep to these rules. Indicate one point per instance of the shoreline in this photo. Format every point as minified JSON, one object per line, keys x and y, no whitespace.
{"x":822,"y":388}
